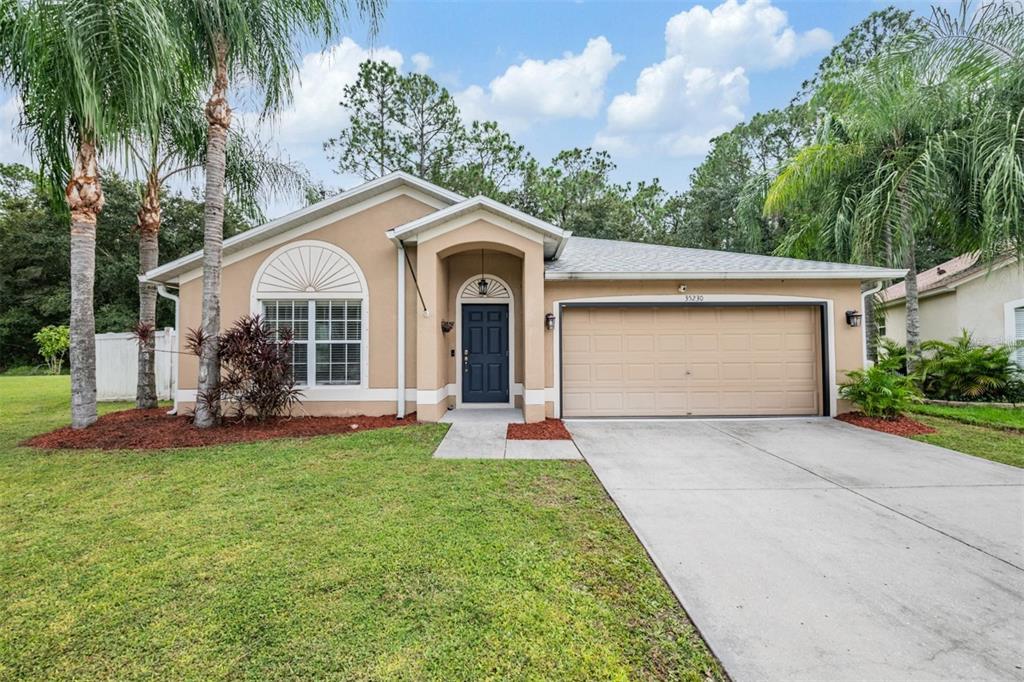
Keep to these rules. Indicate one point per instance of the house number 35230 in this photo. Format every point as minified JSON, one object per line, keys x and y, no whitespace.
{"x":694,"y":298}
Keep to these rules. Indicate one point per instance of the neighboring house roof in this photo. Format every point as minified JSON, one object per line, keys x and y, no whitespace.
{"x":945,"y":277}
{"x":585,"y":258}
{"x":555,"y":238}
{"x":170,"y":271}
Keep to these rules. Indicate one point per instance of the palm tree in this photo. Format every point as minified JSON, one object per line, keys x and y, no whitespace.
{"x":255,"y":41}
{"x":179,"y":148}
{"x":89,"y":73}
{"x":926,"y":136}
{"x":870,"y":176}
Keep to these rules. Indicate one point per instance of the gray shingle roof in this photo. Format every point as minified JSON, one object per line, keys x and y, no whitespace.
{"x":585,"y":257}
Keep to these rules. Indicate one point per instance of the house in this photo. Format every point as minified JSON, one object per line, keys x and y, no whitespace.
{"x":404,"y":296}
{"x":986,"y":299}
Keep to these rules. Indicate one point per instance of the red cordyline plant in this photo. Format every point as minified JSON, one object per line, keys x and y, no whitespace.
{"x":256,"y":372}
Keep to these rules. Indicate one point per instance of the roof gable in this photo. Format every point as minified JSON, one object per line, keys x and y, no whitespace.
{"x":297,"y":222}
{"x":554,"y":238}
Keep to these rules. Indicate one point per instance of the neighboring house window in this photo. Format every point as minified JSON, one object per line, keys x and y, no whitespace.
{"x":336,"y":344}
{"x":880,"y":323}
{"x":317,"y":290}
{"x":1018,"y":319}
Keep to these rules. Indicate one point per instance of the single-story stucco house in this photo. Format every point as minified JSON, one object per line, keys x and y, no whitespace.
{"x":986,"y":299}
{"x":407,"y":297}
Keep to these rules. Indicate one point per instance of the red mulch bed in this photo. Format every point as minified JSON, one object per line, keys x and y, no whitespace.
{"x":549,"y":429}
{"x":155,"y":430}
{"x":900,"y":426}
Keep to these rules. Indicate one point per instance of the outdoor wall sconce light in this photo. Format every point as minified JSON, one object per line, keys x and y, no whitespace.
{"x":853,"y":318}
{"x":549,"y":321}
{"x":447,"y":326}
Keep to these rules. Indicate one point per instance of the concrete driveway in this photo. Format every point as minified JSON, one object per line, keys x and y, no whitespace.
{"x":810,"y":549}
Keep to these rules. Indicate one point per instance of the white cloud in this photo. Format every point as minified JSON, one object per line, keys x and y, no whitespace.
{"x":754,"y":35}
{"x":699,"y":90}
{"x":421,"y":62}
{"x":571,"y":86}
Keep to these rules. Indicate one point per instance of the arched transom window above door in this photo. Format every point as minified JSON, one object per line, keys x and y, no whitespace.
{"x":492,"y":289}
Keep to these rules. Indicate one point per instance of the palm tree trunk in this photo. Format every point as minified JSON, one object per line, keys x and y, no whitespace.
{"x":913,"y":310}
{"x":218,"y":116}
{"x":148,"y":223}
{"x":85,"y":200}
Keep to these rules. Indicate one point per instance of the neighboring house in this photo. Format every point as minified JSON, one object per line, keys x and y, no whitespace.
{"x":963,"y":293}
{"x":498,"y":308}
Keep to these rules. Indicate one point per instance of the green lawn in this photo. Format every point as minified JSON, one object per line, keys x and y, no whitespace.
{"x":981,"y":415}
{"x":995,"y":444}
{"x":353,"y":557}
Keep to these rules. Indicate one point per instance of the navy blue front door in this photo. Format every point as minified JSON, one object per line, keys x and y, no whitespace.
{"x":484,"y":353}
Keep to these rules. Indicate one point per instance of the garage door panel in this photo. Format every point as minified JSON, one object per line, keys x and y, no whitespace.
{"x":660,"y":361}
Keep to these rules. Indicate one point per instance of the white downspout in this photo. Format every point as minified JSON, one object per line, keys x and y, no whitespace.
{"x":400,"y":353}
{"x":864,"y":328}
{"x":162,"y":290}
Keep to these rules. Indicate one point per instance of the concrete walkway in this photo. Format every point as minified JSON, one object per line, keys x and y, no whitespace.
{"x":814,"y":550}
{"x":480,"y":434}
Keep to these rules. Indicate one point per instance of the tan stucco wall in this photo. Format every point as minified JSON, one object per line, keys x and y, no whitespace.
{"x":362,"y":236}
{"x":443,"y":263}
{"x":977,"y":306}
{"x":845,"y":295}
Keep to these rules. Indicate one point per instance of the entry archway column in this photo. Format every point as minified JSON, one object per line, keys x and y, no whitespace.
{"x":533,"y":335}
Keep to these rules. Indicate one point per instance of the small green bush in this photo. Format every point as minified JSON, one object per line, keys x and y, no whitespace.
{"x":53,"y":343}
{"x":892,"y":356}
{"x":879,"y":392}
{"x":963,"y":370}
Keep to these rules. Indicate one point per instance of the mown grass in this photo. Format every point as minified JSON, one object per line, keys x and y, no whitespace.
{"x":997,"y":445}
{"x":350,"y":557}
{"x":980,"y":415}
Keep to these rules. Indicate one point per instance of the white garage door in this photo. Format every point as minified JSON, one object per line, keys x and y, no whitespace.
{"x":700,"y":360}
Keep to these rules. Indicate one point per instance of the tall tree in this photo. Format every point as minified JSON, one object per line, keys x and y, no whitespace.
{"x":868,"y":179}
{"x":89,"y":74}
{"x":34,"y":236}
{"x":397,"y":121}
{"x":251,"y":173}
{"x":255,"y":41}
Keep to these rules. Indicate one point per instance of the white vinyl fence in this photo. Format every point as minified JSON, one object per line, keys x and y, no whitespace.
{"x":117,"y":365}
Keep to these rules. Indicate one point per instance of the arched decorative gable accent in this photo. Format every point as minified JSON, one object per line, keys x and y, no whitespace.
{"x":309,"y":269}
{"x":496,"y":289}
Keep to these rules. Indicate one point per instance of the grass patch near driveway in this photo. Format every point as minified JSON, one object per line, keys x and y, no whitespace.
{"x":981,"y":415}
{"x":994,"y":444}
{"x":351,"y":557}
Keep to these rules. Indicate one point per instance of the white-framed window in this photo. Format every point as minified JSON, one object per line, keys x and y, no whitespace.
{"x":318,"y":290}
{"x":327,"y":336}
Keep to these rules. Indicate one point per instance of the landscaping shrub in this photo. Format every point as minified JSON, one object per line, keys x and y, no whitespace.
{"x":892,"y":356}
{"x":963,"y":370}
{"x":53,"y":342}
{"x":256,"y":373}
{"x":879,"y":392}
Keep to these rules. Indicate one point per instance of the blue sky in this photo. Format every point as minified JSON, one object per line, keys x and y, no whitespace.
{"x":649,"y":81}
